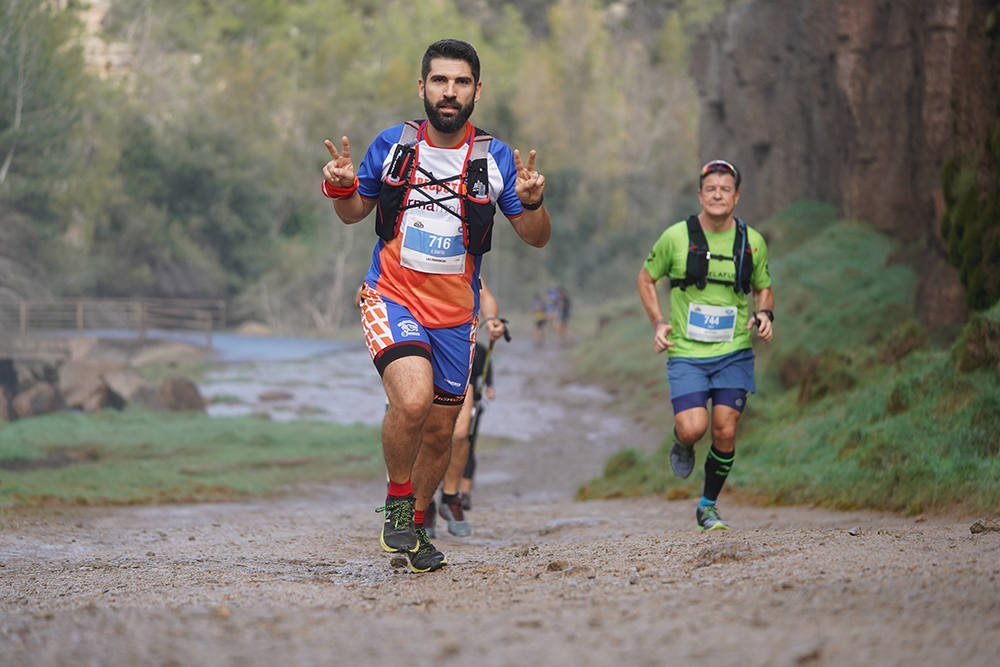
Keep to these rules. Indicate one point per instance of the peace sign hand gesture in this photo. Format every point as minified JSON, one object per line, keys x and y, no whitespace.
{"x":339,"y":171}
{"x":529,"y":184}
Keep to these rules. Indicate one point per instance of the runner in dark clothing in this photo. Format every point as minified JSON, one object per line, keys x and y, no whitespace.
{"x":450,"y":508}
{"x":482,"y":378}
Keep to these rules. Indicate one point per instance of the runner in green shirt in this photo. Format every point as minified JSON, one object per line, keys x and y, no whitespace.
{"x":707,"y":336}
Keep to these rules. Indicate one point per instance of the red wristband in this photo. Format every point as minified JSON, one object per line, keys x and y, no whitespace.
{"x":339,"y":193}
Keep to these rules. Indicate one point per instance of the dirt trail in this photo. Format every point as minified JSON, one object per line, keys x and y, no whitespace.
{"x":542,"y":580}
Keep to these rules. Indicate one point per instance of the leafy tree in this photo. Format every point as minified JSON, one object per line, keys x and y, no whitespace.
{"x":39,"y":77}
{"x":197,"y":173}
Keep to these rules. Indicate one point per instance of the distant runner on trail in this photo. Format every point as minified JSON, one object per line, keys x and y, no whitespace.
{"x":435,"y":185}
{"x":538,"y":307}
{"x":458,"y":477}
{"x":713,"y":260}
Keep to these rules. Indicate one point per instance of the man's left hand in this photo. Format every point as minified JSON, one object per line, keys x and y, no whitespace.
{"x":529,"y":184}
{"x":765,"y":328}
{"x":495,"y":328}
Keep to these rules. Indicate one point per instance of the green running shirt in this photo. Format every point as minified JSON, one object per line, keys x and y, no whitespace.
{"x":668,"y":258}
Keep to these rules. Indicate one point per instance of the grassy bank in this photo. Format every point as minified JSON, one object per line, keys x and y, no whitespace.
{"x":857,"y":406}
{"x":142,"y":457}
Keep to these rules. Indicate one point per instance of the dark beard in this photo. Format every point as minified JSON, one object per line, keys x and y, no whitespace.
{"x":448,"y":125}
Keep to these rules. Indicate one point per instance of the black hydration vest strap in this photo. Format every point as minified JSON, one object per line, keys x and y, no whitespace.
{"x":696,"y":271}
{"x":475,"y":207}
{"x":475,"y":163}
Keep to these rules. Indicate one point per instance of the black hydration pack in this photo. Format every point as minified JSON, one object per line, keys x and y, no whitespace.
{"x":698,"y":257}
{"x":476,"y":208}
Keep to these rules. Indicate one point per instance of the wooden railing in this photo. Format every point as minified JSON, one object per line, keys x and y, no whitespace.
{"x":22,"y":321}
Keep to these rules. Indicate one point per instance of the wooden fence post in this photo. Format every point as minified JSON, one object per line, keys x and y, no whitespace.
{"x":207,"y":318}
{"x":140,"y":317}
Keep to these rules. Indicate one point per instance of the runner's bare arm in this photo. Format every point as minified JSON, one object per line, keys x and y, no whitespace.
{"x":489,"y":312}
{"x":651,"y":302}
{"x":339,"y":174}
{"x":533,"y":226}
{"x":763,"y":300}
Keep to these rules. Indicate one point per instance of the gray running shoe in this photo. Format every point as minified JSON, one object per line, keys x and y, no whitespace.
{"x":398,"y":532}
{"x":425,"y":558}
{"x":681,"y":459}
{"x":430,"y":516}
{"x":453,"y":514}
{"x":709,"y":519}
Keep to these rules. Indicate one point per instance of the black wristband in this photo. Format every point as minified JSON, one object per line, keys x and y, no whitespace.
{"x":770,"y":314}
{"x":535,"y":206}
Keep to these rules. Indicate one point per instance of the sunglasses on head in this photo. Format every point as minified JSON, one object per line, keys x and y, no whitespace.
{"x":721,"y":166}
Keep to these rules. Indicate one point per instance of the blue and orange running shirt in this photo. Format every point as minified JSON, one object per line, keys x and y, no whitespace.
{"x":448,"y":296}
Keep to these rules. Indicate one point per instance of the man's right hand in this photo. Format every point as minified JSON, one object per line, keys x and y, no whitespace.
{"x":660,"y":342}
{"x":339,"y":171}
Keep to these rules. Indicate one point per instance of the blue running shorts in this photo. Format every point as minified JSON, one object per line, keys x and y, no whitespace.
{"x":391,"y":332}
{"x":726,"y":380}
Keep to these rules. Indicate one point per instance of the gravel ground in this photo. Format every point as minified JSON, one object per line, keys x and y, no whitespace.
{"x":543,"y":579}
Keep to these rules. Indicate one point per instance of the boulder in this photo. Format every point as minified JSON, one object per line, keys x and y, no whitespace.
{"x":133,"y":389}
{"x":179,"y":393}
{"x":8,"y":376}
{"x":170,"y":352}
{"x":82,"y":384}
{"x":30,"y":372}
{"x":40,"y":399}
{"x":148,"y":397}
{"x":126,"y":383}
{"x":6,"y":411}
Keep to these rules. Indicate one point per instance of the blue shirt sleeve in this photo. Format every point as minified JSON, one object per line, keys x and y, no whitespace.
{"x":509,"y":204}
{"x":370,"y":171}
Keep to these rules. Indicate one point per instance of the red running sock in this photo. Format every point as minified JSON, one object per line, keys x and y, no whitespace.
{"x":400,"y":490}
{"x":418,"y":517}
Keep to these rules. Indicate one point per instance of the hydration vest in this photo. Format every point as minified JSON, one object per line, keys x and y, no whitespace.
{"x":698,"y":257}
{"x":476,"y":208}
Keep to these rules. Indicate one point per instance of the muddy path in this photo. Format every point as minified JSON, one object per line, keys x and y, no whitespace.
{"x":300,"y":580}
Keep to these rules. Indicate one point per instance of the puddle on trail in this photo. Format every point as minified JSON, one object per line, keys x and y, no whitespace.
{"x":342,"y":386}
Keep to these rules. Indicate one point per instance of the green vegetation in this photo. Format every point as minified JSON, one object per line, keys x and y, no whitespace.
{"x":857,"y":406}
{"x":140,"y":457}
{"x":971,"y":222}
{"x":193,"y":170}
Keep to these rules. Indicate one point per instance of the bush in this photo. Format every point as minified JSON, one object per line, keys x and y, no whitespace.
{"x":979,"y":344}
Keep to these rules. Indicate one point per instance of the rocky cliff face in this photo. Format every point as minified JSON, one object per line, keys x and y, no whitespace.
{"x":855,"y":102}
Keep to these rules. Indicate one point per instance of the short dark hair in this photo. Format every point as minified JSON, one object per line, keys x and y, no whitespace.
{"x":452,"y":49}
{"x":720,"y":167}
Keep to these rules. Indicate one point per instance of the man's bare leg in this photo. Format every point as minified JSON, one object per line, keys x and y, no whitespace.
{"x":434,"y":453}
{"x":451,"y":507}
{"x":724,"y":422}
{"x":409,"y":385}
{"x":691,"y":425}
{"x":459,"y":447}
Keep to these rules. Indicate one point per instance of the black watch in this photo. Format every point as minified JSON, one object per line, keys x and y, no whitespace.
{"x":769,"y":313}
{"x":535,"y":206}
